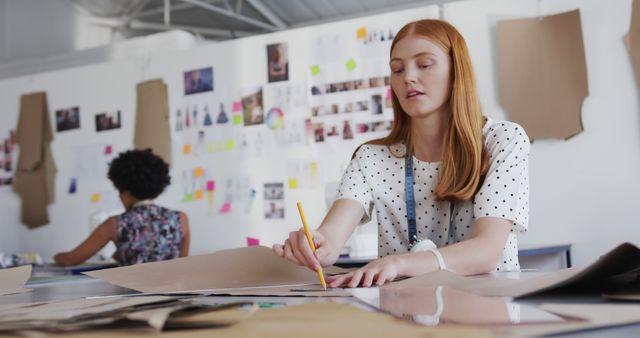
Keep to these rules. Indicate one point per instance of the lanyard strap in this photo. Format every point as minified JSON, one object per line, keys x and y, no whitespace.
{"x":410,"y":199}
{"x":411,"y":205}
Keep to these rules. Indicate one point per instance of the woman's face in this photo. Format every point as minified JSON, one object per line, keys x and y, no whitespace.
{"x":420,"y":76}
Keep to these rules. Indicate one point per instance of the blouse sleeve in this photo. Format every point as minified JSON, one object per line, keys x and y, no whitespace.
{"x":353,"y":186}
{"x":505,"y":190}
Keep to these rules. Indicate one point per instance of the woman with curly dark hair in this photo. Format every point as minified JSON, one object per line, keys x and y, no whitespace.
{"x":145,"y":232}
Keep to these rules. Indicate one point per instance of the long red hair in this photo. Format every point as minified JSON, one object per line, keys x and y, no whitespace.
{"x":465,"y":161}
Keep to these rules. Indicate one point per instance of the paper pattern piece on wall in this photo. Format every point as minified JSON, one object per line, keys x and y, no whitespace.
{"x":633,"y":39}
{"x":35,"y":174}
{"x":152,"y":119}
{"x":542,"y":74}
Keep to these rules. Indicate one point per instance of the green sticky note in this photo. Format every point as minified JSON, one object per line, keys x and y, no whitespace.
{"x":188,"y":198}
{"x":231,"y":144}
{"x":237,"y":119}
{"x":315,"y":70}
{"x":351,"y":65}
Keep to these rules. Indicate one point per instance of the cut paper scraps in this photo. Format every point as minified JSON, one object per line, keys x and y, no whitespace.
{"x":542,"y":74}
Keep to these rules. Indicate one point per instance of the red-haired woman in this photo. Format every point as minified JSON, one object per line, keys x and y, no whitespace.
{"x":450,"y":187}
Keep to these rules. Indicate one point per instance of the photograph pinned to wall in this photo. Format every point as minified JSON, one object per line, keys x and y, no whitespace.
{"x":388,"y":99}
{"x":332,"y":130}
{"x":380,"y":126}
{"x":108,"y":121}
{"x":198,"y":81}
{"x":362,"y":128}
{"x":376,"y":104}
{"x":67,"y":119}
{"x":347,"y":130}
{"x":7,"y":152}
{"x":318,"y":132}
{"x":252,"y":110}
{"x":278,"y":62}
{"x":274,"y":200}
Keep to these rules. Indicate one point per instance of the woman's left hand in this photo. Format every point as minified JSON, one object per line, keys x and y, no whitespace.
{"x":377,"y":272}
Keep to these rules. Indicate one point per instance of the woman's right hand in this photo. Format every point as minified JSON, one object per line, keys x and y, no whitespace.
{"x":296,"y":249}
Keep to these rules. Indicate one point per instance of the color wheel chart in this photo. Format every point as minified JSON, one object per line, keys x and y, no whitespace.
{"x":275,"y":118}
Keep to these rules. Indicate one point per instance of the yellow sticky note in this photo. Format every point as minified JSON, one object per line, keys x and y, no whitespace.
{"x":199,"y":194}
{"x":231,"y":144}
{"x":198,"y":172}
{"x":237,"y":119}
{"x":293,"y":183}
{"x":313,"y":167}
{"x":315,"y":70}
{"x":351,"y":64}
{"x":186,"y":149}
{"x":95,"y":198}
{"x":361,"y":33}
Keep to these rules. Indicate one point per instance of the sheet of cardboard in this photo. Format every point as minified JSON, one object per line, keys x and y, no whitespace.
{"x":255,"y":266}
{"x":35,"y":174}
{"x":542,"y":74}
{"x":12,"y":279}
{"x":152,"y":119}
{"x":597,"y":315}
{"x":317,"y":320}
{"x":633,"y":39}
{"x":624,"y":258}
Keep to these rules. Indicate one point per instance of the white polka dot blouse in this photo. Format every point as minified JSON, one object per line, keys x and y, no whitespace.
{"x":375,"y":178}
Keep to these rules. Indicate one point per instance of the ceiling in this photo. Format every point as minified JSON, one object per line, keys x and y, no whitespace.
{"x":228,"y":19}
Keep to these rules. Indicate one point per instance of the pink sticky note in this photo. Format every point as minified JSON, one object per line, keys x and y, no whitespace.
{"x":237,"y":106}
{"x":226,"y":207}
{"x":252,"y":241}
{"x":211,"y":185}
{"x":108,"y":150}
{"x":388,"y":97}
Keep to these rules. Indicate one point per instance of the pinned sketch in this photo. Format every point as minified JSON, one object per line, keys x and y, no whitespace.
{"x":91,"y":161}
{"x":73,"y":186}
{"x":198,"y":81}
{"x":222,"y":115}
{"x":274,"y":200}
{"x":278,"y":62}
{"x":633,"y":39}
{"x":329,"y":48}
{"x":547,"y":105}
{"x":207,"y":117}
{"x":67,"y":119}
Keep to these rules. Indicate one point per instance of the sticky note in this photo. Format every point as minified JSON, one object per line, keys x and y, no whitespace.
{"x":95,"y":198}
{"x":252,"y":241}
{"x":315,"y":70}
{"x":361,"y":33}
{"x":226,"y":207}
{"x":293,"y":183}
{"x":199,"y":194}
{"x":388,"y":96}
{"x":198,"y":172}
{"x":237,"y":106}
{"x":351,"y":64}
{"x":108,"y":150}
{"x":231,"y":144}
{"x":237,"y":119}
{"x":186,"y":149}
{"x":188,"y":198}
{"x":211,"y":185}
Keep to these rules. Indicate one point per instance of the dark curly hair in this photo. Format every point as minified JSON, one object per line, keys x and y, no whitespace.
{"x":140,"y":173}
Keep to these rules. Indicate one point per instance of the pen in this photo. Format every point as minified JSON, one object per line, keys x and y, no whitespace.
{"x":313,"y":246}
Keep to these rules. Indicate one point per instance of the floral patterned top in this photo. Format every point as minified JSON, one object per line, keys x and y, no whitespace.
{"x":148,"y":233}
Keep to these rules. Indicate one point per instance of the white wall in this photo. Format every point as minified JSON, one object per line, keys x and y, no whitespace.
{"x":583,"y":190}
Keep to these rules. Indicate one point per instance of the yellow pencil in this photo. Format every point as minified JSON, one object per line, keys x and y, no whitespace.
{"x":313,"y":246}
